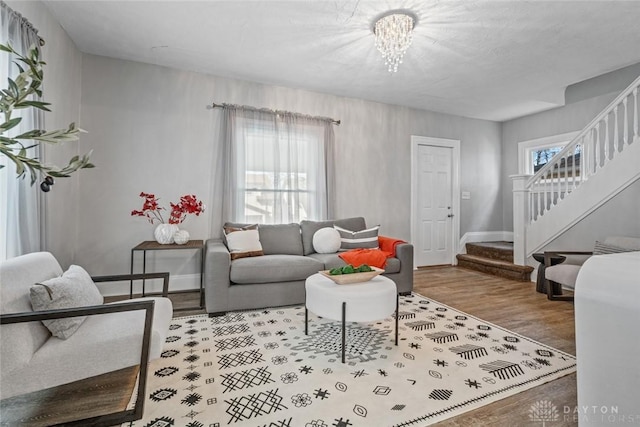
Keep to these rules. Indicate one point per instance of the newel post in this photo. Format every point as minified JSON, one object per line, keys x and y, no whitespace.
{"x":520,"y":217}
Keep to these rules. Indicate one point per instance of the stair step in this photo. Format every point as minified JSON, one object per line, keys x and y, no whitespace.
{"x":492,"y":250}
{"x":496,"y":267}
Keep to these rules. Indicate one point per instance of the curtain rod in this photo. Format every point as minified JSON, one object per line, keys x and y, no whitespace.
{"x":214,"y":105}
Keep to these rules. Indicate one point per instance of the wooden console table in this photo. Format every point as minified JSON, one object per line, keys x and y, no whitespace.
{"x":152,"y":245}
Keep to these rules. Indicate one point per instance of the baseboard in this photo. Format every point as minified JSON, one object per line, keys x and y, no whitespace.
{"x":184,"y":282}
{"x":484,"y":236}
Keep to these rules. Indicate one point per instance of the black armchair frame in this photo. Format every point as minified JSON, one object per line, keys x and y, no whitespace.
{"x":148,"y":306}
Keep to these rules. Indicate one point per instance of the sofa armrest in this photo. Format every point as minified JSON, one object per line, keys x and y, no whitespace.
{"x":139,"y":276}
{"x":146,"y":305}
{"x":404,"y":282}
{"x":216,"y":276}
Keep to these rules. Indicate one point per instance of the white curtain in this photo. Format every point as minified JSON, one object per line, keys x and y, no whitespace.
{"x":21,"y":218}
{"x":278,"y":166}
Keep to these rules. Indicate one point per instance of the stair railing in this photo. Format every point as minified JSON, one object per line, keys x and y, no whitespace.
{"x":604,"y":138}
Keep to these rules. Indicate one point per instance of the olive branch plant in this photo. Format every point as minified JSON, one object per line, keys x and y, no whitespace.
{"x":20,"y":94}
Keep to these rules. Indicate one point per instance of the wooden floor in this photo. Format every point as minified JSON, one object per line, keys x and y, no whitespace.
{"x":518,"y":307}
{"x":510,"y":304}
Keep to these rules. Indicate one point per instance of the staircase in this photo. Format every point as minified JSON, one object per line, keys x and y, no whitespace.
{"x":495,"y":258}
{"x":600,"y":162}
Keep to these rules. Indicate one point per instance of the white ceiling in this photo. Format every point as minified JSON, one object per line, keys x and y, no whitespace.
{"x":493,"y":60}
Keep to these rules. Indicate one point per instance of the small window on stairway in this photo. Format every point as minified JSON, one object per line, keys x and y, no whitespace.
{"x":534,"y":154}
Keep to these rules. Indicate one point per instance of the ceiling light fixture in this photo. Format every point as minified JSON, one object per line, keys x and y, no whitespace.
{"x":394,"y":33}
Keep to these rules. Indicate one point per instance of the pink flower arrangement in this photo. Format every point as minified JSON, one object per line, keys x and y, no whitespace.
{"x":188,"y":204}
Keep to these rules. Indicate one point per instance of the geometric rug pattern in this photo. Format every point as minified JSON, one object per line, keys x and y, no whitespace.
{"x":259,"y":369}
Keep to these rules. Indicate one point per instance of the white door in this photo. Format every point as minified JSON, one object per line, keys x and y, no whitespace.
{"x":434,"y":208}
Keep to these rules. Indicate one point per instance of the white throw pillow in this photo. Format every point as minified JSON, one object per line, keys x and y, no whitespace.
{"x":73,"y":289}
{"x":244,"y":243}
{"x":326,"y":241}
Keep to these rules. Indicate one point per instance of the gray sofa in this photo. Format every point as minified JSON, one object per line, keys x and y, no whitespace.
{"x":277,"y":278}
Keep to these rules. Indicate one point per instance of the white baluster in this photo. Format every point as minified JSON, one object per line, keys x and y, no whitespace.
{"x":625,"y":133}
{"x":586,"y":154}
{"x":573,"y":164}
{"x":540,"y":205}
{"x":615,"y":132}
{"x":607,"y":154}
{"x":566,"y":175}
{"x":545,"y":200}
{"x":596,"y":146}
{"x":531,"y":196}
{"x":553,"y":198}
{"x":635,"y":114}
{"x":561,"y":177}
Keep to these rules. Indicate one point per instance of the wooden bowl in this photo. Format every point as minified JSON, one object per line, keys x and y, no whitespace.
{"x":349,"y":279}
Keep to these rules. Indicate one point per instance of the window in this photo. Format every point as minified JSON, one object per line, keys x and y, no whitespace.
{"x":279,"y":183}
{"x":534,"y":154}
{"x":278,"y":168}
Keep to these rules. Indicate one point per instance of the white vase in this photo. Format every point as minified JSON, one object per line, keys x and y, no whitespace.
{"x":164,"y":233}
{"x":181,"y":237}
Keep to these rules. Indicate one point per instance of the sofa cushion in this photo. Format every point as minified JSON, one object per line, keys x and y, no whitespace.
{"x":73,"y":289}
{"x":273,"y":268}
{"x":333,"y":260}
{"x":365,"y":239}
{"x":280,"y":239}
{"x":243,"y":243}
{"x":309,"y":228}
{"x":564,"y":274}
{"x":329,"y":261}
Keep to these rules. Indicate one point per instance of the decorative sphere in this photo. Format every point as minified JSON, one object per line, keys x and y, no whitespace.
{"x":181,"y":237}
{"x":326,"y":240}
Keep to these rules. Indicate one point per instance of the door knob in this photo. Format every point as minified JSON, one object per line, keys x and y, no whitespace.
{"x":450,"y":216}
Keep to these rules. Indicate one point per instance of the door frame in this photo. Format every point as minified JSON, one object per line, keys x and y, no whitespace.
{"x":454,"y":144}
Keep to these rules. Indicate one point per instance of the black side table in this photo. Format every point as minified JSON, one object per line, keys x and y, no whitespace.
{"x":540,"y":281}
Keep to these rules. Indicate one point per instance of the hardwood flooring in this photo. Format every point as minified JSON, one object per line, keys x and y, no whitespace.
{"x":510,"y":304}
{"x":518,"y":307}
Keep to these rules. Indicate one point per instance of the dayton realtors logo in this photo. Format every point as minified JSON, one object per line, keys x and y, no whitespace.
{"x":543,"y":411}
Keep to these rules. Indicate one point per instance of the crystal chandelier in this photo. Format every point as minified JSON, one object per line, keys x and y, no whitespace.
{"x":394,"y":33}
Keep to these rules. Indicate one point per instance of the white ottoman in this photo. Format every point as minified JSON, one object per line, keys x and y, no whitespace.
{"x":359,"y":302}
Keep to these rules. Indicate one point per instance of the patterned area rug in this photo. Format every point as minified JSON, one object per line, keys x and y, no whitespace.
{"x":257,"y":368}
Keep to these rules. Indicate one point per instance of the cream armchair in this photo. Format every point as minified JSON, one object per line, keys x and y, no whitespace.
{"x":564,"y":275}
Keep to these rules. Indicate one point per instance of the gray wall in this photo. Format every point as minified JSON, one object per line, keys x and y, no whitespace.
{"x":62,"y":83}
{"x":620,"y":216}
{"x":151,"y":132}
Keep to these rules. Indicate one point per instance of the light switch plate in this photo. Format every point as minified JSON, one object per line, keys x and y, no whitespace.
{"x":466,"y":195}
